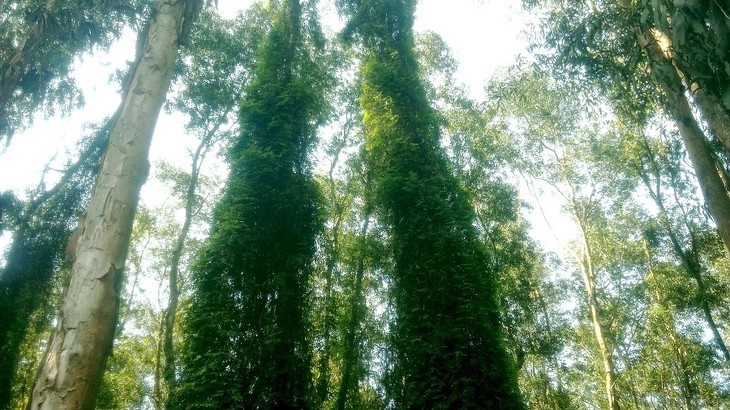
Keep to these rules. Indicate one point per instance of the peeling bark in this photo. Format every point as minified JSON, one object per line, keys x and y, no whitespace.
{"x":72,"y":369}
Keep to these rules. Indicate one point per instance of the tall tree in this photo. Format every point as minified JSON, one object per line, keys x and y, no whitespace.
{"x":659,"y":169}
{"x":556,"y":149}
{"x":216,"y":67}
{"x":247,"y":344}
{"x":651,"y":54}
{"x":448,"y":349}
{"x":72,"y":368}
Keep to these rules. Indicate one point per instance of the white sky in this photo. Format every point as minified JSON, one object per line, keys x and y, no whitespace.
{"x":484,"y":35}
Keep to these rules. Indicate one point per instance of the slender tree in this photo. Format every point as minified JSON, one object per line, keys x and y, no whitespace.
{"x":217,"y":64}
{"x":73,"y":366}
{"x":247,"y":344}
{"x":656,"y":54}
{"x":448,"y":351}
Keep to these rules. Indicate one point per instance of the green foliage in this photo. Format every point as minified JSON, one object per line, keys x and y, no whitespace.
{"x":126,"y":380}
{"x":38,"y":43}
{"x":643,"y":251}
{"x":446,"y":337}
{"x":41,"y":234}
{"x":247,"y":344}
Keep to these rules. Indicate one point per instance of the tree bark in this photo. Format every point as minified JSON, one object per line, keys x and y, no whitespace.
{"x":700,"y":155}
{"x":713,"y":111}
{"x":74,"y":363}
{"x":585,"y":259}
{"x":669,"y":81}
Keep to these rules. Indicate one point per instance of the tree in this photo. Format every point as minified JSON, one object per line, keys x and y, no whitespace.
{"x":556,"y":149}
{"x":39,"y":42}
{"x":247,"y":342}
{"x":72,"y":368}
{"x":219,"y":58}
{"x":654,"y":54}
{"x":446,"y":337}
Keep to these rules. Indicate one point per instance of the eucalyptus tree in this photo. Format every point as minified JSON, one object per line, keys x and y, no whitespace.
{"x":561,"y":146}
{"x":73,"y":366}
{"x":447,"y":343}
{"x":657,"y":163}
{"x":695,"y":37}
{"x":687,"y":292}
{"x":38,"y":44}
{"x":247,"y":343}
{"x":656,"y":54}
{"x":127,"y":373}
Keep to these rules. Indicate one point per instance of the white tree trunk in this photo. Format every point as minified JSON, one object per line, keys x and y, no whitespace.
{"x":73,"y":367}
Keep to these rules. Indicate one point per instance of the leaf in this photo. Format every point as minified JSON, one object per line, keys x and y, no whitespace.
{"x":644,"y":16}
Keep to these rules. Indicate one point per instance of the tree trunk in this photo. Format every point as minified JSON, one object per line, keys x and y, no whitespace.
{"x":38,"y":244}
{"x":177,"y":251}
{"x":585,"y":259}
{"x":695,"y":142}
{"x":713,"y":189}
{"x":716,"y":115}
{"x":74,"y":363}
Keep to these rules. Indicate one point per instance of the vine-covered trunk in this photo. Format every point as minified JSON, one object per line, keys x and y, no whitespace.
{"x":447,"y":339}
{"x":247,"y":342}
{"x":348,"y":384}
{"x":74,"y":362}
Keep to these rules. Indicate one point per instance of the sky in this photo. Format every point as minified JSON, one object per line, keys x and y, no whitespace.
{"x":484,"y":36}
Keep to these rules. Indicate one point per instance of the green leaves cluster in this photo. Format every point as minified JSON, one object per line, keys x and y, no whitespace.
{"x":38,"y":44}
{"x":446,"y":339}
{"x":248,"y":342}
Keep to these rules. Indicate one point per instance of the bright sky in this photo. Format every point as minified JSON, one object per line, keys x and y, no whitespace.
{"x":484,"y":35}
